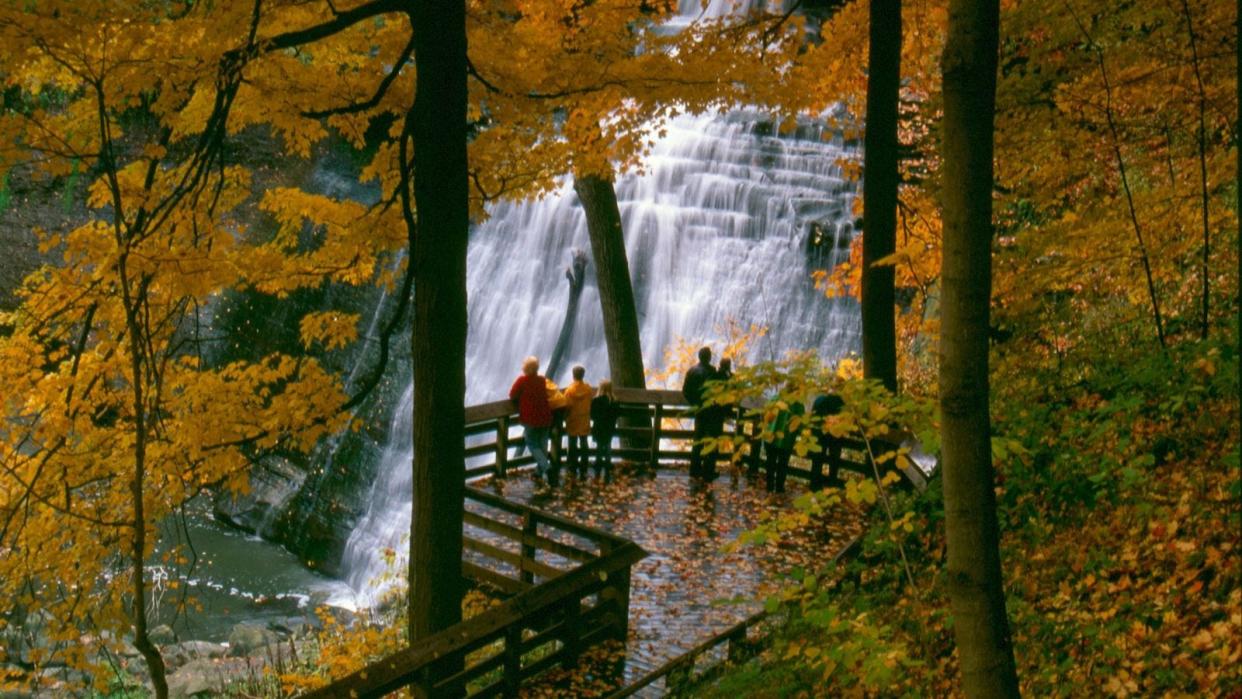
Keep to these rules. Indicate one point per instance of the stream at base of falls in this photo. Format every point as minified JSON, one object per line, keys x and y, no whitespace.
{"x":238,"y":578}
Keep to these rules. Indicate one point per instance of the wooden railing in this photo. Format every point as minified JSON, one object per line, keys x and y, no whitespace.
{"x":570,"y":587}
{"x":735,"y":645}
{"x":547,"y":625}
{"x":655,"y":427}
{"x":711,"y":658}
{"x":569,"y":584}
{"x":513,"y":547}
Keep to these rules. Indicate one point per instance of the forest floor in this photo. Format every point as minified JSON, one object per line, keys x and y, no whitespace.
{"x":1119,"y":505}
{"x":695,"y":582}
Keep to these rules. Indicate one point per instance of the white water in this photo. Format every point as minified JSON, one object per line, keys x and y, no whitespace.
{"x":715,"y":230}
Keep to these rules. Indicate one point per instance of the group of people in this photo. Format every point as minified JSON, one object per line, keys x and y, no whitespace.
{"x":582,"y":411}
{"x":709,"y":424}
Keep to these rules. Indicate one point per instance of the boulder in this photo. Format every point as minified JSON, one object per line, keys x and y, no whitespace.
{"x":296,"y":626}
{"x":247,"y":637}
{"x":180,"y":654}
{"x":210,"y":677}
{"x":162,"y":635}
{"x":285,"y":653}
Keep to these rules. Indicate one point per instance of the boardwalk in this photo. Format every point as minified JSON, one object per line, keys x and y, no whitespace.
{"x":678,"y":591}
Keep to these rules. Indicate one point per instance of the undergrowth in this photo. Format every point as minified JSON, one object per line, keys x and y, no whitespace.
{"x":1118,"y":497}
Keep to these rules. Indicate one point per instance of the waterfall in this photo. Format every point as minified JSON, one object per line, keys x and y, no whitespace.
{"x":719,"y":226}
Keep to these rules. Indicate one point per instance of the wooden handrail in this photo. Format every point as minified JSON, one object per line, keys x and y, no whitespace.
{"x":735,"y":634}
{"x":583,"y":530}
{"x":404,"y":667}
{"x":682,"y":666}
{"x":562,"y":591}
{"x":657,"y":404}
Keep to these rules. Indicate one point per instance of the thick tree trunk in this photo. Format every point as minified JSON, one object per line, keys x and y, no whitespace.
{"x":612,"y":270}
{"x":879,"y":335}
{"x":980,"y":626}
{"x":437,"y":125}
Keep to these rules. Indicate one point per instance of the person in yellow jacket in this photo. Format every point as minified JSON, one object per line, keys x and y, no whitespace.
{"x":559,"y":406}
{"x":578,"y":421}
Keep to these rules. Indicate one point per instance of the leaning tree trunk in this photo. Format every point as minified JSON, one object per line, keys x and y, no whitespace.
{"x":977,"y":597}
{"x":879,"y":335}
{"x":612,"y":270}
{"x":437,"y":126}
{"x":576,"y":274}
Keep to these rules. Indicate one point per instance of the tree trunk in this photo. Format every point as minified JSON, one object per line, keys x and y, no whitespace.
{"x":879,"y":335}
{"x":131,"y":292}
{"x":437,"y":126}
{"x":980,"y":626}
{"x":612,"y":270}
{"x":576,"y":274}
{"x":1205,"y":267}
{"x":1111,"y":119}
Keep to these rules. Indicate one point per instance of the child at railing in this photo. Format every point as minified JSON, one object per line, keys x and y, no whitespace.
{"x":578,"y":421}
{"x":603,"y":428}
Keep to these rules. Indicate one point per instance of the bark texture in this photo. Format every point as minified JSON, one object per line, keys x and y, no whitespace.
{"x":974,"y":582}
{"x":879,"y":335}
{"x":612,"y":269}
{"x":437,"y":126}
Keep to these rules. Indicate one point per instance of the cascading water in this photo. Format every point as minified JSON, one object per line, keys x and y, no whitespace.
{"x":719,"y":227}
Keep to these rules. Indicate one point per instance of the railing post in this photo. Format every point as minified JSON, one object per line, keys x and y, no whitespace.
{"x":513,"y":661}
{"x":573,"y":631}
{"x":656,"y":429}
{"x":753,"y":458}
{"x":502,"y":445}
{"x":530,"y":527}
{"x":737,"y":650}
{"x":834,"y":461}
{"x":621,"y":602}
{"x":677,"y":678}
{"x":554,"y":454}
{"x":617,"y":595}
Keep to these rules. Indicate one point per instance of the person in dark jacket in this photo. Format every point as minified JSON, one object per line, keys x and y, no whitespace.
{"x":780,"y":449}
{"x":530,"y":394}
{"x":705,"y":417}
{"x":603,"y":427}
{"x":824,"y":407}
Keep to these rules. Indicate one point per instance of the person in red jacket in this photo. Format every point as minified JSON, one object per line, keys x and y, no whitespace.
{"x":530,"y":395}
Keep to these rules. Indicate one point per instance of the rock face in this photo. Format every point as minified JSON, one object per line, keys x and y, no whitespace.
{"x":25,"y":205}
{"x":271,"y":488}
{"x":319,"y":518}
{"x":309,"y":504}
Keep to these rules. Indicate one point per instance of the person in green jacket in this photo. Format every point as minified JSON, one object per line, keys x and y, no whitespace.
{"x":784,"y":434}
